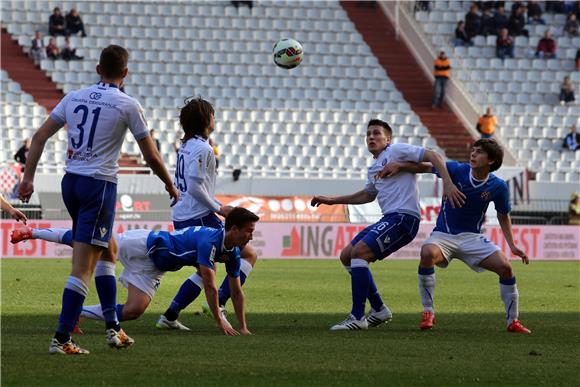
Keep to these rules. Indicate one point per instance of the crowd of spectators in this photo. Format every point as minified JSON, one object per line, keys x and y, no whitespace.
{"x":52,"y":51}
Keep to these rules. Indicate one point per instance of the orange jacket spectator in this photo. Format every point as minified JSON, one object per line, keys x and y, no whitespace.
{"x":442,"y":67}
{"x":486,"y":124}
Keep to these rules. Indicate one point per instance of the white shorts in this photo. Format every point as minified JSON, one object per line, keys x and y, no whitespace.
{"x":468,"y":247}
{"x":138,"y":268}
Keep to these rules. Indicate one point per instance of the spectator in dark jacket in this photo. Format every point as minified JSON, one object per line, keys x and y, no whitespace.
{"x":487,"y":23}
{"x":535,"y":13}
{"x":37,"y":52}
{"x":473,"y":21}
{"x":500,"y":20}
{"x":571,"y":26}
{"x":22,"y":153}
{"x":56,"y":23}
{"x":572,"y":140}
{"x":567,"y":91}
{"x":461,"y":38}
{"x":74,"y":23}
{"x":52,"y":50}
{"x":517,"y":22}
{"x":504,"y":45}
{"x":546,"y":46}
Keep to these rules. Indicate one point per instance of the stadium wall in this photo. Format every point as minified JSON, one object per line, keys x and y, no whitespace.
{"x":322,"y":240}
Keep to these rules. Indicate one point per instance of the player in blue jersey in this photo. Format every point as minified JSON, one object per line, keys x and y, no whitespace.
{"x":97,"y":118}
{"x":399,"y":201}
{"x":195,"y":177}
{"x":458,"y":230}
{"x":146,"y":256}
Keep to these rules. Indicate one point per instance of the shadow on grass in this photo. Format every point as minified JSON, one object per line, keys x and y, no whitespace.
{"x":297,"y":348}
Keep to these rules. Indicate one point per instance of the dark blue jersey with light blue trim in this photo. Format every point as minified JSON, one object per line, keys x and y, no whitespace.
{"x":471,"y":215}
{"x":192,"y":246}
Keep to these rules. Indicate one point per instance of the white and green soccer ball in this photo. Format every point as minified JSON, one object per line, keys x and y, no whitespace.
{"x":287,"y":53}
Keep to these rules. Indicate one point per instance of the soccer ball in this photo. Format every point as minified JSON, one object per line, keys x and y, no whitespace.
{"x":287,"y":53}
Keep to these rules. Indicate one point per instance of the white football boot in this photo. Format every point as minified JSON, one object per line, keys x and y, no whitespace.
{"x":351,"y":324}
{"x":376,"y":318}
{"x":164,"y":323}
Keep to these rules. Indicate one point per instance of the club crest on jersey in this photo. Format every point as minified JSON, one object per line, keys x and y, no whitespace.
{"x":485,"y":195}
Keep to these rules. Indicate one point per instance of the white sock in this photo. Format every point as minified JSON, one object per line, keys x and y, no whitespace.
{"x":427,"y":291}
{"x":510,"y":297}
{"x":103,"y":268}
{"x":49,"y":234}
{"x":245,"y":267}
{"x":93,"y":312}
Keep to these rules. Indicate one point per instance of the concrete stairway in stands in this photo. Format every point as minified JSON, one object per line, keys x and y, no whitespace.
{"x":32,"y":79}
{"x":405,"y":72}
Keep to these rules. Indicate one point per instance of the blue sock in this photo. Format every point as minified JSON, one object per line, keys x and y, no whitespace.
{"x":120,"y":311}
{"x":224,"y":292}
{"x":374,"y":296}
{"x":187,"y":293}
{"x":106,"y":284}
{"x":73,"y":297}
{"x":360,"y":275}
{"x":67,"y":238}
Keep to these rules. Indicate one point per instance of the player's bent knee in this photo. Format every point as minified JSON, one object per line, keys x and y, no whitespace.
{"x":133,"y":311}
{"x":430,"y":255}
{"x":505,"y":270}
{"x":345,"y":255}
{"x":362,"y":251}
{"x":249,"y":254}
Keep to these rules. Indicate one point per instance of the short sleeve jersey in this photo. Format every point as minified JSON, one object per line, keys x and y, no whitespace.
{"x":195,"y":165}
{"x":192,"y":246}
{"x":400,"y":192}
{"x":97,"y":118}
{"x":471,"y":215}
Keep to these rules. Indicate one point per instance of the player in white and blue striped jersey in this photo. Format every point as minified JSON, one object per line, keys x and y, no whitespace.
{"x":97,"y":118}
{"x":458,"y":230}
{"x":399,"y":201}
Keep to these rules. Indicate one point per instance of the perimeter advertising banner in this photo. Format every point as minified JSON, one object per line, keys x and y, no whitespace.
{"x":320,"y":240}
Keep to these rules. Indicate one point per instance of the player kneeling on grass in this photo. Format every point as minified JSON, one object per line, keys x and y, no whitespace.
{"x":458,"y":230}
{"x":146,"y":256}
{"x":399,"y":201}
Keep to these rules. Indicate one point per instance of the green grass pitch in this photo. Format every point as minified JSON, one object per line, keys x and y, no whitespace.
{"x":290,"y":306}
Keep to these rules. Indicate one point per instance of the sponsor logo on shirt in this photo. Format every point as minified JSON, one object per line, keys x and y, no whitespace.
{"x":95,"y":95}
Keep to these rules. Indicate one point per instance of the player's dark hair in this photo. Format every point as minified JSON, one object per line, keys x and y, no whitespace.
{"x":113,"y":61}
{"x":494,"y":152}
{"x":239,"y":217}
{"x":383,"y":124}
{"x":195,"y":117}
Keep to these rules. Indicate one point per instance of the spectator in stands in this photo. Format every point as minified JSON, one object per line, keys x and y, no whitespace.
{"x":518,"y":4}
{"x":56,"y":23}
{"x":572,"y":140}
{"x":154,"y":137}
{"x":555,"y":6}
{"x":571,"y":26}
{"x":442,"y":69}
{"x":37,"y":52}
{"x":567,"y":91}
{"x":422,"y":6}
{"x":74,"y":23}
{"x":504,"y":45}
{"x":500,"y":20}
{"x":486,"y":124}
{"x":69,"y":52}
{"x":22,"y":153}
{"x":574,"y":209}
{"x":216,"y":152}
{"x":517,"y":22}
{"x":249,"y":4}
{"x":52,"y":50}
{"x":535,"y":13}
{"x":473,"y":21}
{"x":546,"y":46}
{"x":487,"y":23}
{"x":461,"y":38}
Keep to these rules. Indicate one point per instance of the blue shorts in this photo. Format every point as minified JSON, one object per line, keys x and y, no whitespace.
{"x":389,"y":234}
{"x":210,"y":220}
{"x":91,"y":205}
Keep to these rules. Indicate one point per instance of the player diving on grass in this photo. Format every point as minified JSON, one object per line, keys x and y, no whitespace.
{"x":399,"y":201}
{"x":458,"y":230}
{"x":146,"y":256}
{"x":195,"y":177}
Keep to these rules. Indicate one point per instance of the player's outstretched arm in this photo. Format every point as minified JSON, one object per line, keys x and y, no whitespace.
{"x":505,"y":223}
{"x":153,"y":158}
{"x":46,"y":131}
{"x":14,"y":213}
{"x":238,"y":299}
{"x":360,"y":197}
{"x":450,"y":191}
{"x":391,"y":169}
{"x":211,"y":294}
